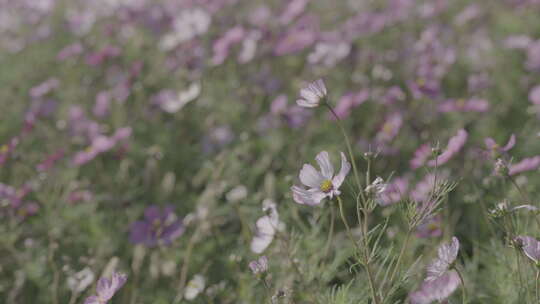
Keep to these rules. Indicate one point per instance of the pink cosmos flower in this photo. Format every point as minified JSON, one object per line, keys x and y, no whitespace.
{"x":431,"y":227}
{"x":534,"y":95}
{"x":441,"y":279}
{"x":224,"y":43}
{"x":421,"y":155}
{"x":259,"y":266}
{"x":394,"y":192}
{"x":300,"y":36}
{"x":44,"y":88}
{"x":464,"y":105}
{"x":312,"y":94}
{"x":389,"y":129}
{"x":69,"y":51}
{"x":293,"y":10}
{"x":530,"y":246}
{"x":349,"y":101}
{"x":494,"y":148}
{"x":106,"y":288}
{"x":454,"y":146}
{"x":526,"y":164}
{"x":321,"y":184}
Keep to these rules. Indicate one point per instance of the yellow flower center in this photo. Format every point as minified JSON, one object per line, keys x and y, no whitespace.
{"x":433,"y":227}
{"x":387,"y":128}
{"x":3,"y":149}
{"x":326,"y":186}
{"x":460,"y":103}
{"x":421,"y":82}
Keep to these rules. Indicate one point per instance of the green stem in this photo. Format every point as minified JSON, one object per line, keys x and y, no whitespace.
{"x":330,"y":232}
{"x":536,"y":285}
{"x":366,"y":248}
{"x":463,"y":289}
{"x":402,"y":251}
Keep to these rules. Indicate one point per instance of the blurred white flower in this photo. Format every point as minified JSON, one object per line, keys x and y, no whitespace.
{"x":266,"y":227}
{"x":236,"y":194}
{"x":194,"y":287}
{"x":312,"y":94}
{"x":173,"y":104}
{"x":78,"y":282}
{"x":186,"y":26}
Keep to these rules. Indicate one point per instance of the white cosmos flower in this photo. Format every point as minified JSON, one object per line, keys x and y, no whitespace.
{"x":194,"y":287}
{"x":173,"y":105}
{"x":266,"y":227}
{"x":81,"y":280}
{"x":321,"y":184}
{"x":312,"y":94}
{"x":447,"y":254}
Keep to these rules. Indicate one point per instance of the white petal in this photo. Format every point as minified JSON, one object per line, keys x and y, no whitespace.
{"x":311,"y":177}
{"x":309,"y":95}
{"x":306,"y":104}
{"x":327,"y":170}
{"x":345,"y":168}
{"x":307,"y":197}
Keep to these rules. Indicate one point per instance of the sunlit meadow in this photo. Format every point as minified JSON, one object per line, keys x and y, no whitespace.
{"x":278,"y":151}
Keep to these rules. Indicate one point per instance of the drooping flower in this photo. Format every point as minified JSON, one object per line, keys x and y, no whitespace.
{"x":321,"y":183}
{"x":530,"y":246}
{"x":442,"y":280}
{"x":376,"y":189}
{"x":160,"y":226}
{"x":259,"y":266}
{"x":106,"y":288}
{"x":454,"y":146}
{"x":436,"y":290}
{"x":526,"y":164}
{"x":447,"y":255}
{"x":312,"y":94}
{"x":266,"y":227}
{"x":194,"y":287}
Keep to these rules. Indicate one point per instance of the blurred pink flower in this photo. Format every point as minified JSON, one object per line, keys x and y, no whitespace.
{"x":421,"y":156}
{"x":348,"y":102}
{"x":464,"y":105}
{"x":526,"y":164}
{"x":454,"y":146}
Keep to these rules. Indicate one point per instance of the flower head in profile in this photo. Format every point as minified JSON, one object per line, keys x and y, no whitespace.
{"x":160,"y":226}
{"x":530,"y":246}
{"x":497,"y":150}
{"x":454,"y":146}
{"x":312,"y":94}
{"x":106,"y":288}
{"x":447,"y":255}
{"x":259,"y":266}
{"x":266,"y":227}
{"x":442,"y":280}
{"x":321,"y":184}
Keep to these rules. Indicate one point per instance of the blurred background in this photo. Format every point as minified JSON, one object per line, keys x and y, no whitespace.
{"x":142,"y":137}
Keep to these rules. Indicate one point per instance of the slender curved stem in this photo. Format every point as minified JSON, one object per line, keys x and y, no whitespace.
{"x":366,"y":259}
{"x":536,"y":285}
{"x":463,"y":289}
{"x":330,"y":232}
{"x":402,"y":251}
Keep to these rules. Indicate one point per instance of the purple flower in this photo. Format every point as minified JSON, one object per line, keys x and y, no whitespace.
{"x":530,"y":246}
{"x":312,"y":94}
{"x":534,"y":95}
{"x":436,"y":290}
{"x":49,"y":162}
{"x":394,"y":192}
{"x":431,"y":227}
{"x":321,"y":183}
{"x":424,"y":88}
{"x":101,"y":144}
{"x":300,"y":36}
{"x":223,"y":44}
{"x":517,"y":42}
{"x":160,"y":226}
{"x":69,"y":51}
{"x":44,"y":88}
{"x":495,"y":149}
{"x":441,"y":279}
{"x":259,"y":266}
{"x":533,"y":56}
{"x":6,"y":149}
{"x":390,"y":128}
{"x":464,"y":105}
{"x":421,"y":155}
{"x":102,"y":104}
{"x":106,"y":288}
{"x":293,"y":10}
{"x":454,"y":146}
{"x":100,"y":56}
{"x":526,"y":164}
{"x":349,"y":101}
